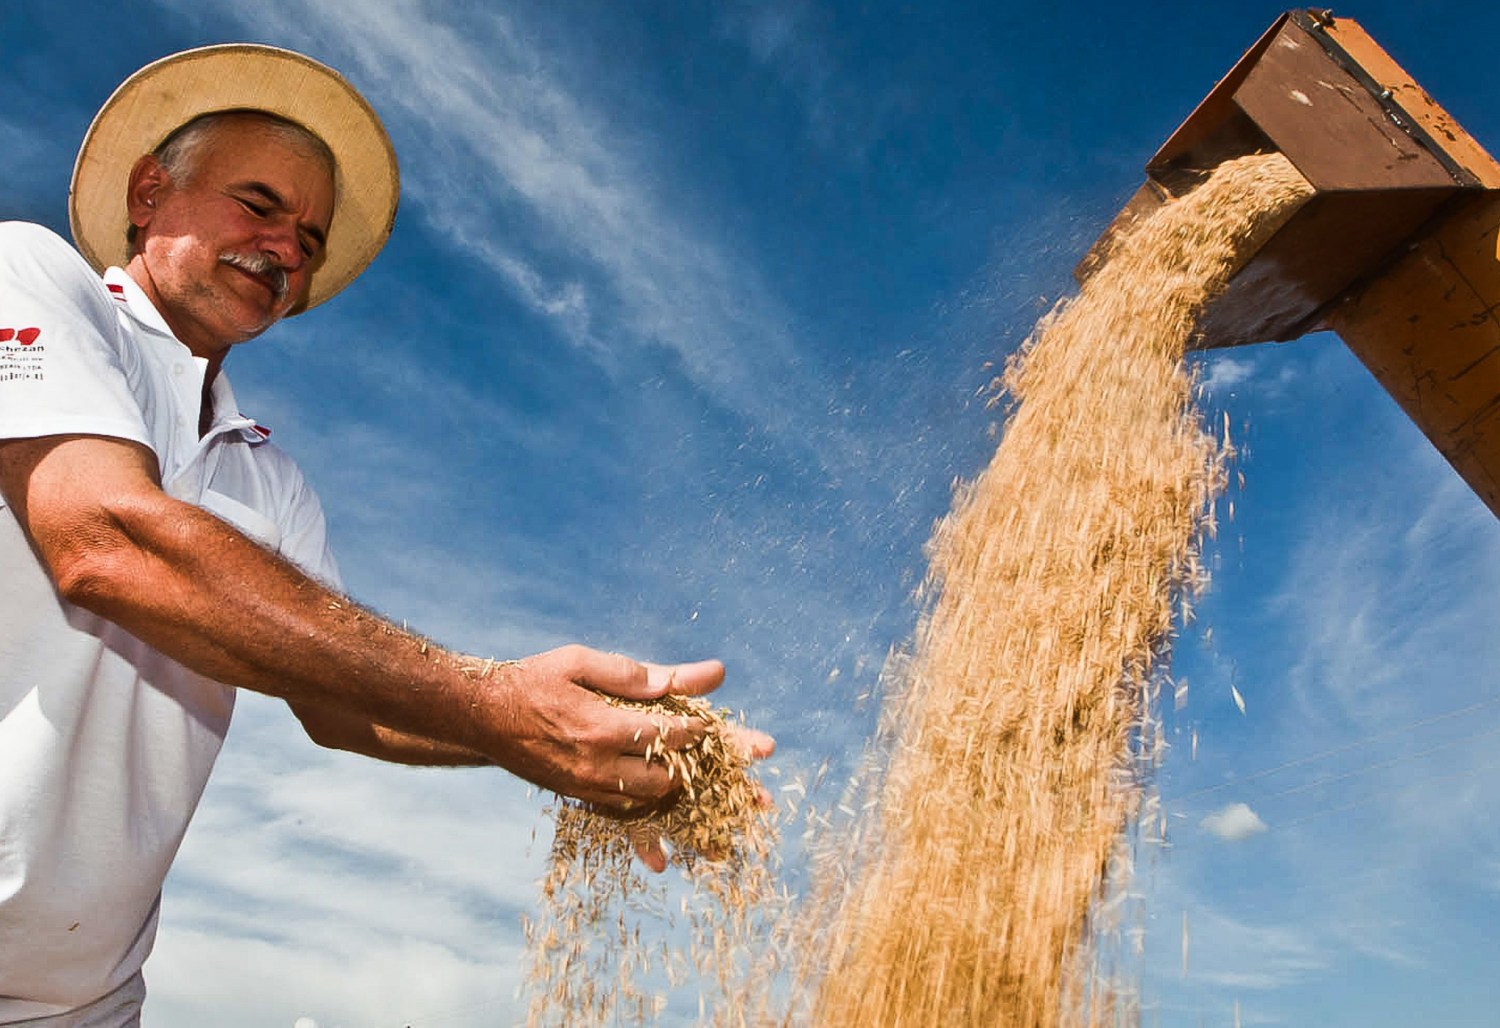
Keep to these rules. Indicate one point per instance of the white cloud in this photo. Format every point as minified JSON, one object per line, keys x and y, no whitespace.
{"x":365,"y":892}
{"x":1266,"y":374}
{"x":1234,"y":823}
{"x":1220,"y":372}
{"x":196,"y":979}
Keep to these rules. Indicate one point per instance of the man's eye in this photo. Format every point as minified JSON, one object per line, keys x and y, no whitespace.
{"x":254,"y":208}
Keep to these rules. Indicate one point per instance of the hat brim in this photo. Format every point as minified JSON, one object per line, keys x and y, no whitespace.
{"x":166,"y":94}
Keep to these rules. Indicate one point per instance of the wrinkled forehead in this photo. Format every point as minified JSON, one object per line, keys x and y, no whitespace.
{"x":282,"y":164}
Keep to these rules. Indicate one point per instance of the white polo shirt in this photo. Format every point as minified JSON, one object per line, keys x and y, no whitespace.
{"x":106,"y":744}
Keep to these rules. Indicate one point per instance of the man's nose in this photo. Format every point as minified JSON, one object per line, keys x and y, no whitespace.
{"x":281,"y":243}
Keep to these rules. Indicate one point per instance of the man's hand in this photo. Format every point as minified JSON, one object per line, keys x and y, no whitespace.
{"x":565,"y":737}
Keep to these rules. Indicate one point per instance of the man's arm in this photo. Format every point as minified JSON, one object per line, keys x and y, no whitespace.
{"x":197,"y":590}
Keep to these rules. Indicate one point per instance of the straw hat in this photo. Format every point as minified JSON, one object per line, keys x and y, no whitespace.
{"x":164,"y":95}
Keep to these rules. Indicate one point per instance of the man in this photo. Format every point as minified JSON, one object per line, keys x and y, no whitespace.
{"x":157,"y":552}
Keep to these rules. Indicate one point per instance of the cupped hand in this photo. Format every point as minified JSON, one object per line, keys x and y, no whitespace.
{"x":553,"y":728}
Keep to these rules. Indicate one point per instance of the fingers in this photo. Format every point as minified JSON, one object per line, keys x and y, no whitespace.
{"x":648,"y":847}
{"x":634,"y":781}
{"x":659,"y":733}
{"x":628,"y":787}
{"x":752,"y":744}
{"x":611,"y":673}
{"x":620,"y":676}
{"x":632,"y":680}
{"x":692,"y":679}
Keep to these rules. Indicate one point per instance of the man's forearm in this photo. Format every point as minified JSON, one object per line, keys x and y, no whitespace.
{"x":340,"y":730}
{"x":402,"y":748}
{"x":193,"y":587}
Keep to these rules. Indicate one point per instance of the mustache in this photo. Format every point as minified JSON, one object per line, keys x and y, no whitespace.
{"x":261,"y":265}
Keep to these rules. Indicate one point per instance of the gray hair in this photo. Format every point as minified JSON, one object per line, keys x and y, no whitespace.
{"x":181,"y":152}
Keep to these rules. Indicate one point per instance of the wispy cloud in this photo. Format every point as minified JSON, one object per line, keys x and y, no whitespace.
{"x":1381,"y":595}
{"x":1237,"y":954}
{"x":564,"y":206}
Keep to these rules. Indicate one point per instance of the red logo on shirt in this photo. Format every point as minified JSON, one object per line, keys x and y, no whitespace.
{"x":24,"y":336}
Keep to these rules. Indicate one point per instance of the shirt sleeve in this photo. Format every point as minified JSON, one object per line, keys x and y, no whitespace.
{"x":64,"y":365}
{"x":305,"y":540}
{"x":299,"y":518}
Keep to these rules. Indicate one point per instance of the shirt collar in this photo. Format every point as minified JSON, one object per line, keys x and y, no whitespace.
{"x":124,"y":289}
{"x":133,"y":299}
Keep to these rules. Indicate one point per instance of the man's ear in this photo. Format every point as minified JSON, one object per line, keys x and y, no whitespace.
{"x":148,"y":180}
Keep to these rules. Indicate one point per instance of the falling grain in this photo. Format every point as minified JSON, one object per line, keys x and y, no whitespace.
{"x":1023,"y":724}
{"x":590,"y":965}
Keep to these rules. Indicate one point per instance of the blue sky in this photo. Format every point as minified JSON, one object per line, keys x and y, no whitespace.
{"x":678,"y":348}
